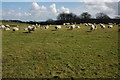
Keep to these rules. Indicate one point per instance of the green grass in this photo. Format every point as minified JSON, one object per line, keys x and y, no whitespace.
{"x":64,"y":53}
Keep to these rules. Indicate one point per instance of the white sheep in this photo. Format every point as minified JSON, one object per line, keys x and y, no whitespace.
{"x":42,"y":27}
{"x":66,"y":23}
{"x":6,"y":29}
{"x":31,"y":28}
{"x":110,"y":26}
{"x":57,"y":27}
{"x":71,"y":26}
{"x":26,"y":29}
{"x":89,"y":24}
{"x":46,"y":27}
{"x":15,"y":29}
{"x":102,"y":26}
{"x":93,"y":27}
{"x":2,"y":26}
{"x":68,"y":26}
{"x":7,"y":26}
{"x":85,"y":24}
{"x":36,"y":25}
{"x":77,"y":26}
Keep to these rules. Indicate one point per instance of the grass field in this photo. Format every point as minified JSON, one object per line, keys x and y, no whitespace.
{"x":63,"y":53}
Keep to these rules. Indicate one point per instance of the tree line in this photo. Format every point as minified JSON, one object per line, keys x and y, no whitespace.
{"x":85,"y":17}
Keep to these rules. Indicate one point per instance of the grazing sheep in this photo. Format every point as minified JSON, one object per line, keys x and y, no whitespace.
{"x":72,"y":27}
{"x":26,"y":29}
{"x":102,"y":26}
{"x":6,"y":29}
{"x":68,"y":26}
{"x":36,"y":25}
{"x":2,"y":26}
{"x":110,"y":26}
{"x":42,"y":27}
{"x":57,"y":27}
{"x":15,"y":29}
{"x":85,"y":24}
{"x":66,"y":23}
{"x":89,"y":24}
{"x":93,"y":27}
{"x":46,"y":27}
{"x":77,"y":26}
{"x":31,"y":28}
{"x":8,"y":26}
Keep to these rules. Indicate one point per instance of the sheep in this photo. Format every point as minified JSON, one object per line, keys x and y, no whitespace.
{"x":89,"y":24}
{"x":46,"y":27}
{"x":57,"y":27}
{"x":36,"y":25}
{"x":15,"y":29}
{"x":6,"y":28}
{"x":42,"y":27}
{"x":31,"y":28}
{"x":71,"y":27}
{"x":26,"y":29}
{"x":68,"y":26}
{"x":77,"y":26}
{"x":93,"y":27}
{"x":66,"y":23}
{"x":110,"y":26}
{"x":2,"y":26}
{"x":85,"y":24}
{"x":102,"y":26}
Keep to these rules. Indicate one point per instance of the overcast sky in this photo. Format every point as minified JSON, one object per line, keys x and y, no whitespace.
{"x":40,"y":11}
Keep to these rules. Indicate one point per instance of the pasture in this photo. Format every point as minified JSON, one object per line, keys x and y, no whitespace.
{"x":63,"y":53}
